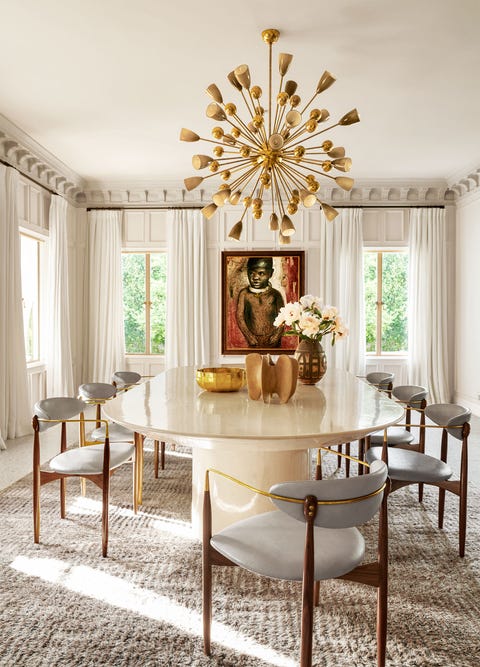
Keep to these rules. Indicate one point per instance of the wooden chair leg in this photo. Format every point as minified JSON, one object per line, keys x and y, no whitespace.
{"x":106,"y":498}
{"x":339,"y":458}
{"x":36,"y":489}
{"x":63,"y":498}
{"x":155,"y":458}
{"x":381,"y":625}
{"x":441,"y":492}
{"x":207,"y":606}
{"x":420,"y":493}
{"x":347,"y":461}
{"x":361,"y":454}
{"x":162,"y":455}
{"x":316,"y":593}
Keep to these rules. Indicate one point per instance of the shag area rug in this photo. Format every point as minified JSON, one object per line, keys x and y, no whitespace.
{"x":62,"y":604}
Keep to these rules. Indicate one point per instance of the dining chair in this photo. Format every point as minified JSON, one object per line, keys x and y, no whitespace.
{"x":123,"y":381}
{"x":413,"y":397}
{"x":97,"y":394}
{"x":96,"y":462}
{"x":382,"y":381}
{"x":407,"y":466}
{"x":312,"y":536}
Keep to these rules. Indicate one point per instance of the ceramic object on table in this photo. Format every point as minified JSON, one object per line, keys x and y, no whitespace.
{"x":312,"y":361}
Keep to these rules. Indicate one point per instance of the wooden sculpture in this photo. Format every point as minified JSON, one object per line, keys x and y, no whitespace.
{"x":265,"y":377}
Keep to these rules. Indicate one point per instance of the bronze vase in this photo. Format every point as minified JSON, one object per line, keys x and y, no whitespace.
{"x":312,"y":362}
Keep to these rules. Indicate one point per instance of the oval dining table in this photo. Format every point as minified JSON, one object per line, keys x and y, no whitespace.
{"x":256,"y":442}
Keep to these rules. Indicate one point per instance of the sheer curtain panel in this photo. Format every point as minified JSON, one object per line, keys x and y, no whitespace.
{"x":188,"y":312}
{"x":341,"y":285}
{"x":427,"y":298}
{"x":58,"y":346}
{"x":104,"y":329}
{"x":15,"y":412}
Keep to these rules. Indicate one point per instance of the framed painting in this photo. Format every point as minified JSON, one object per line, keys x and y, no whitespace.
{"x":255,"y":285}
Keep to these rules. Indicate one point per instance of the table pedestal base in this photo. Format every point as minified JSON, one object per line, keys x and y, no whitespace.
{"x":231,"y":502}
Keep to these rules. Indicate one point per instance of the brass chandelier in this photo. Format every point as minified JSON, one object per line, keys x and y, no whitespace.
{"x":263,"y":161}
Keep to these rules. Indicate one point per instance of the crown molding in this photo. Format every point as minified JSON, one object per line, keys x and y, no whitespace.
{"x":391,"y":192}
{"x":467,"y":185}
{"x":26,"y":155}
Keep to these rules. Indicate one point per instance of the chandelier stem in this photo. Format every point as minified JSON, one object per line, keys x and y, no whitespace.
{"x":270,"y":89}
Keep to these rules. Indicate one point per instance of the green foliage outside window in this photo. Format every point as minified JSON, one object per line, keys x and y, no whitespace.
{"x":144,"y":302}
{"x":392,"y":291}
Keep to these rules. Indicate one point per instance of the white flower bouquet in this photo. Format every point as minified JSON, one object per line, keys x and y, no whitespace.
{"x":309,"y":319}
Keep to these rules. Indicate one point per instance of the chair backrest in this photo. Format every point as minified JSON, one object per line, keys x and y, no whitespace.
{"x":449,"y":414}
{"x":125,"y":378}
{"x":380,"y":379}
{"x":57,"y":408}
{"x":410,"y":394}
{"x":357,"y":490}
{"x":96,"y":391}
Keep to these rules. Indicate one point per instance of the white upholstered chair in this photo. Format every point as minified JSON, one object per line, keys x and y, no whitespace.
{"x":407,"y":466}
{"x":311,"y":536}
{"x":96,"y":463}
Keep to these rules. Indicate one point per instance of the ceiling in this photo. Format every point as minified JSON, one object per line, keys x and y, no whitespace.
{"x":106,"y":85}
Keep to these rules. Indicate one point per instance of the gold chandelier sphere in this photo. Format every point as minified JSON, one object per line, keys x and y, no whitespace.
{"x":266,"y":161}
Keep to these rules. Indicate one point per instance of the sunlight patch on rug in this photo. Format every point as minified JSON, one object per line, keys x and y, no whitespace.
{"x":120,"y":593}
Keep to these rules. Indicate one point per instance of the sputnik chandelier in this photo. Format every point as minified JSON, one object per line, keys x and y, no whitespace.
{"x":264,"y":161}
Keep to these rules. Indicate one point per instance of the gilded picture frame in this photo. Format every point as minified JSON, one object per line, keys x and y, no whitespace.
{"x":255,"y":284}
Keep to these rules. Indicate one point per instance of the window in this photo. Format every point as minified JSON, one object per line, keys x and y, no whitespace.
{"x":144,"y":301}
{"x":30,"y":262}
{"x":386,"y":301}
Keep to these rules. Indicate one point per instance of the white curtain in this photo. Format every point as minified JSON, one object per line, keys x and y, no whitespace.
{"x":188,"y":314}
{"x":15,"y":412}
{"x":58,"y":351}
{"x":341,"y":285}
{"x":104,"y":328}
{"x":427,"y":318}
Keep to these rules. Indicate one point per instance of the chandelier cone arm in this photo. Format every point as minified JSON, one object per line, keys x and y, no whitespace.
{"x":326,"y":80}
{"x":336,"y":152}
{"x":287,"y":228}
{"x":215,"y":111}
{"x":201,"y":161}
{"x":242,"y":74}
{"x":283,"y":240}
{"x":192,"y":182}
{"x":284,"y":60}
{"x":233,"y":80}
{"x":329,"y":212}
{"x":214,"y":93}
{"x":236,"y":231}
{"x":349,"y":118}
{"x":273,"y":223}
{"x":220,"y":197}
{"x":209,"y":210}
{"x":291,"y":87}
{"x":342,"y":164}
{"x":188,"y":135}
{"x":345,"y":182}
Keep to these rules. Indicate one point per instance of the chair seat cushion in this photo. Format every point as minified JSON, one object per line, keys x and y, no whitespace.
{"x":395,"y":436}
{"x":89,"y":460}
{"x":408,"y":466}
{"x":116,"y":433}
{"x":272,"y":544}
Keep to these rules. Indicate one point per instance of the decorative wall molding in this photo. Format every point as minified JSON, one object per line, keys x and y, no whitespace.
{"x":365,"y":193}
{"x":467,"y":187}
{"x":30,"y":158}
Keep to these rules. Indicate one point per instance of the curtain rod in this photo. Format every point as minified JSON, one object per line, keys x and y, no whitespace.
{"x":29,"y":178}
{"x":197,"y":208}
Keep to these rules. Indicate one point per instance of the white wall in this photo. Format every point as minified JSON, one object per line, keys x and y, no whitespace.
{"x":467,"y":311}
{"x":144,"y":230}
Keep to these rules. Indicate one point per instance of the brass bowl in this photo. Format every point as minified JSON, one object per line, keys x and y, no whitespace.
{"x":221,"y":379}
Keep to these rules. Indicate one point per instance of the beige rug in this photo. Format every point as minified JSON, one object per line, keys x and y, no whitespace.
{"x":62,"y":604}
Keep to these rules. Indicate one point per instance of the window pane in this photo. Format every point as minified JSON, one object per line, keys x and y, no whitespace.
{"x":158,"y":294}
{"x":133,"y":272}
{"x":370,"y":272}
{"x":30,"y":295}
{"x":394,"y":318}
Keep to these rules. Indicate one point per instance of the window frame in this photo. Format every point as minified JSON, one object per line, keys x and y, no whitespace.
{"x":40,"y":253}
{"x":380,"y":251}
{"x":148,"y":301}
